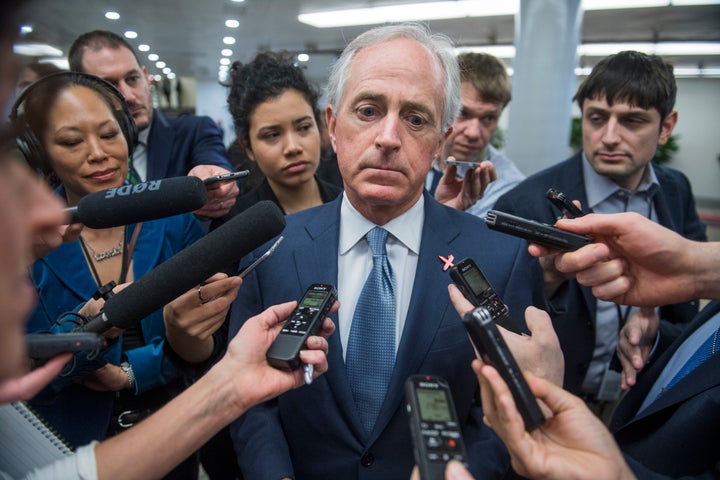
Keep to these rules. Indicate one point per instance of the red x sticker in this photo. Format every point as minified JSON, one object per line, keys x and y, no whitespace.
{"x":448,"y":262}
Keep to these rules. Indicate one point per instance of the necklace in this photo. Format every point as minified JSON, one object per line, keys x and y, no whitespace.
{"x":100,"y":256}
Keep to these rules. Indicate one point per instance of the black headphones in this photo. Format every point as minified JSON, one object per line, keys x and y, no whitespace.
{"x":28,"y":143}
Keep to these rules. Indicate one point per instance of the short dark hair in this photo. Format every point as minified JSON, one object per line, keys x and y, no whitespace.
{"x":96,"y":40}
{"x":266,"y":77}
{"x":642,"y":80}
{"x":488,"y":75}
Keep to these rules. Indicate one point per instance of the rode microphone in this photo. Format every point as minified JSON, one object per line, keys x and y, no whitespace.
{"x":186,"y":269}
{"x":139,"y":202}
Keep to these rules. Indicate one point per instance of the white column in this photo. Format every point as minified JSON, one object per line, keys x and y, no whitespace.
{"x":547,"y":34}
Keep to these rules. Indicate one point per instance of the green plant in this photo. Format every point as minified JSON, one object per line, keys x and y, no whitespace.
{"x":663,"y":154}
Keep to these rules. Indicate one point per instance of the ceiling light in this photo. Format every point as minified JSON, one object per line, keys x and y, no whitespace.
{"x":37,"y":50}
{"x":144,"y":47}
{"x":459,"y":9}
{"x":409,"y":12}
{"x":130,"y":34}
{"x":224,"y":61}
{"x":171,"y":75}
{"x":166,"y":70}
{"x":500,"y":51}
{"x":238,"y":1}
{"x":112,"y":15}
{"x":223,"y":68}
{"x":25,"y":29}
{"x":226,"y":52}
{"x":160,"y":65}
{"x":303,"y":57}
{"x":659,"y":48}
{"x":62,"y":63}
{"x":232,"y":23}
{"x":229,"y":40}
{"x":153,"y":57}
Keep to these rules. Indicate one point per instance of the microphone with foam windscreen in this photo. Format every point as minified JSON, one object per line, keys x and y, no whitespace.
{"x":139,"y":202}
{"x":185,"y":270}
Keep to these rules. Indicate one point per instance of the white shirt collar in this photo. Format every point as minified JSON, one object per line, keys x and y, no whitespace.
{"x":407,"y":228}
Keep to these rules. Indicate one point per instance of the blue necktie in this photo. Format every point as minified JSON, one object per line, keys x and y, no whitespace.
{"x":371,"y":346}
{"x":705,"y":351}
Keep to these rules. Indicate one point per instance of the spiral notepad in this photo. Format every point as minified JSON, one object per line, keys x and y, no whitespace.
{"x":26,"y":442}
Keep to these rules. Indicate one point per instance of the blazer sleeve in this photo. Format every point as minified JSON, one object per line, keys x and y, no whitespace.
{"x":260,"y":445}
{"x":208,"y":147}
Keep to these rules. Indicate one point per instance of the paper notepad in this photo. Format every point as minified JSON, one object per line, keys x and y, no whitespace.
{"x":26,"y":442}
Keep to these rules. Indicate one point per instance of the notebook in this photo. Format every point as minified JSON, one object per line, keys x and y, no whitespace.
{"x":26,"y":442}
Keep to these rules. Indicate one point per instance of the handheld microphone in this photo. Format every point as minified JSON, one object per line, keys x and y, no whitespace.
{"x":186,"y":269}
{"x":139,"y":202}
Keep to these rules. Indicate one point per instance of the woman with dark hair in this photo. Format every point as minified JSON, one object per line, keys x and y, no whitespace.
{"x":77,"y":127}
{"x":277,"y":120}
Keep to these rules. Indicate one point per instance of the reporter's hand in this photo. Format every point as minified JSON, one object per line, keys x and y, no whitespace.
{"x":192,"y":318}
{"x":636,"y":261}
{"x":454,"y":470}
{"x":108,"y":378}
{"x":221,"y":196}
{"x":539,"y":352}
{"x":573,"y":443}
{"x":463,"y":193}
{"x":48,"y":240}
{"x":245,"y":363}
{"x":25,"y":387}
{"x":635,"y":342}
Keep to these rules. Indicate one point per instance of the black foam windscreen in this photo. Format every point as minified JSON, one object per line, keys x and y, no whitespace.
{"x":140,"y":202}
{"x":185,"y":270}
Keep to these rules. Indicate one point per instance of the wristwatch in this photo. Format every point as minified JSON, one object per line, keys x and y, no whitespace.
{"x":129,"y":372}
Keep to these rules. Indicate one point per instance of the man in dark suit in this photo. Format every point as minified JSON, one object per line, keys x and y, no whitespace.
{"x":187,"y":145}
{"x":627,"y":111}
{"x":393,"y":96}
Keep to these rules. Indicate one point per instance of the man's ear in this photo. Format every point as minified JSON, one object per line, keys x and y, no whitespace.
{"x":330,"y":122}
{"x":667,"y":127}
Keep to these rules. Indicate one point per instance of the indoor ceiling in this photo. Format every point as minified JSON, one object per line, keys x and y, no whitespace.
{"x":187,"y":34}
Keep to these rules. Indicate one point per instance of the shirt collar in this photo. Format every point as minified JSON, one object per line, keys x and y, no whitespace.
{"x":406,"y":228}
{"x":599,"y":187}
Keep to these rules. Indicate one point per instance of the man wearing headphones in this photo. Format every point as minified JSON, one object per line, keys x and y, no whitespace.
{"x":187,"y":145}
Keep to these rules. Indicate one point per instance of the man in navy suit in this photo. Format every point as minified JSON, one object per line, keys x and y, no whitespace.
{"x":186,"y":145}
{"x":393,"y":96}
{"x":627,"y":111}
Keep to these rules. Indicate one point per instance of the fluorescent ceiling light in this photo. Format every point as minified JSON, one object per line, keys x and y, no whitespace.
{"x":500,"y":51}
{"x":660,"y":48}
{"x":459,"y":9}
{"x":61,"y":63}
{"x":409,"y":12}
{"x":25,"y":29}
{"x":37,"y":50}
{"x":605,"y":49}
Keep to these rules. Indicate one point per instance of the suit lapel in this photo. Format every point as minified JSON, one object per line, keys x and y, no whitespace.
{"x":702,"y":378}
{"x":323,"y":231}
{"x":159,"y":147}
{"x":573,"y":177}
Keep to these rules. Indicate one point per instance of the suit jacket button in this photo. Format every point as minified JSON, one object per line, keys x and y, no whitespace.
{"x":367,"y":460}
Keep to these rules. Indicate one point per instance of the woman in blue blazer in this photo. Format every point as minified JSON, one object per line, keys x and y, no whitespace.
{"x":76,"y":128}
